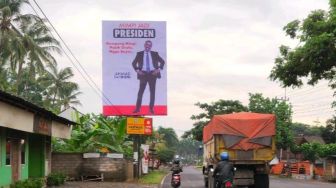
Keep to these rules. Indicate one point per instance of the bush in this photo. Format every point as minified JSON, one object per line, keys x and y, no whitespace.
{"x":29,"y":183}
{"x":56,"y":179}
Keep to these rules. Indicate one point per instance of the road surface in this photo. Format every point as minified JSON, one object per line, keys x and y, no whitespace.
{"x":192,"y":178}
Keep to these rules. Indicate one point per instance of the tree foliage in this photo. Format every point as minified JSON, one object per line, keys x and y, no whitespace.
{"x":327,"y":150}
{"x":95,"y":133}
{"x":311,"y":151}
{"x":169,"y":136}
{"x":315,"y":56}
{"x":329,"y":131}
{"x":165,"y":154}
{"x":304,"y":129}
{"x":189,"y":149}
{"x":257,"y":103}
{"x":283,"y":111}
{"x":26,"y":58}
{"x":218,"y":107}
{"x":164,"y":141}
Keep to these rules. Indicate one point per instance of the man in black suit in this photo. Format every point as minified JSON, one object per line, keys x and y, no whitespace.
{"x":147,"y":64}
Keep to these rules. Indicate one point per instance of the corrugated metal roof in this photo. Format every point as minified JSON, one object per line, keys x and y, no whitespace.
{"x":317,"y":139}
{"x":303,"y":139}
{"x":23,"y":104}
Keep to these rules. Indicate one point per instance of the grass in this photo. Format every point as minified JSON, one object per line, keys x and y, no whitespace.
{"x":153,"y":177}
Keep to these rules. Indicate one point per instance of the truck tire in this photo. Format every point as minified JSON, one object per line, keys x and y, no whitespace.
{"x":261,"y":181}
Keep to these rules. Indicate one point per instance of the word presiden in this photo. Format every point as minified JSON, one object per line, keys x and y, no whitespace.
{"x":134,"y":33}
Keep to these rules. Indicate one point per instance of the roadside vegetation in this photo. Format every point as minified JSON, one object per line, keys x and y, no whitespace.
{"x":153,"y":177}
{"x":28,"y":68}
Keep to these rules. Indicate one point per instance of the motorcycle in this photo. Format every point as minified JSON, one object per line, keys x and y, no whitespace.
{"x":227,"y":183}
{"x":176,"y":180}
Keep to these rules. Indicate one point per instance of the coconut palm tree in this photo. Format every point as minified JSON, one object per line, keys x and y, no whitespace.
{"x":3,"y":76}
{"x":60,"y":91}
{"x":69,"y":95}
{"x":25,"y":40}
{"x":39,"y":43}
{"x":11,"y":20}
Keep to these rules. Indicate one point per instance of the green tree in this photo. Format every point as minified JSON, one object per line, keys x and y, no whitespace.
{"x":311,"y":152}
{"x":327,"y":150}
{"x":10,"y":21}
{"x":315,"y":56}
{"x":169,"y":136}
{"x":189,"y":149}
{"x":165,"y":154}
{"x":60,"y":91}
{"x":215,"y":108}
{"x":4,"y":76}
{"x":329,"y":131}
{"x":25,"y":40}
{"x":95,"y":132}
{"x":304,"y":129}
{"x":283,"y":112}
{"x":69,"y":96}
{"x":26,"y":44}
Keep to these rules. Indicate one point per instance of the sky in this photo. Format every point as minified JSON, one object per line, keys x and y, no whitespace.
{"x":216,"y":49}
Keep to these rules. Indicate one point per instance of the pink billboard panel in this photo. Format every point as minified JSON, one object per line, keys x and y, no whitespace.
{"x":134,"y":68}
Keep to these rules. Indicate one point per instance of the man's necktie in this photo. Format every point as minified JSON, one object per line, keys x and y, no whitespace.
{"x":147,"y":63}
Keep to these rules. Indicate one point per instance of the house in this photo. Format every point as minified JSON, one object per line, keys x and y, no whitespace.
{"x":25,"y":138}
{"x":330,"y":168}
{"x":299,"y":140}
{"x":299,"y":168}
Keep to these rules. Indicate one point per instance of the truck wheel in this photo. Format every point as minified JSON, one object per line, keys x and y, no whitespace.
{"x":261,"y":181}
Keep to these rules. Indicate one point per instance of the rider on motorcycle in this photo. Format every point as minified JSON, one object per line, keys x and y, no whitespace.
{"x":224,"y":170}
{"x":176,"y":168}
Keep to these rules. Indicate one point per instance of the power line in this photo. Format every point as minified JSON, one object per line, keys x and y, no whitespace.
{"x":87,"y":78}
{"x":309,"y":89}
{"x":67,"y":47}
{"x":71,"y":61}
{"x":69,"y":56}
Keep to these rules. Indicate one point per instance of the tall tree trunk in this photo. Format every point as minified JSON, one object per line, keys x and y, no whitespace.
{"x":18,"y":79}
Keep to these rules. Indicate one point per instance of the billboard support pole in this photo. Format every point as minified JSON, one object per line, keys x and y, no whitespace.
{"x":138,"y":126}
{"x":139,"y":162}
{"x":136,"y":148}
{"x":134,"y":163}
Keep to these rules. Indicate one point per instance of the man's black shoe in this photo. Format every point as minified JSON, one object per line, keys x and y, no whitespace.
{"x":151,"y":111}
{"x":136,"y":111}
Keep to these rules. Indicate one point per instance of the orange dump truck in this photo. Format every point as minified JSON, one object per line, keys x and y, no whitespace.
{"x":249,"y":138}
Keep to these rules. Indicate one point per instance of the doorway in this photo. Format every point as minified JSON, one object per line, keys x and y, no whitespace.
{"x":36,"y":156}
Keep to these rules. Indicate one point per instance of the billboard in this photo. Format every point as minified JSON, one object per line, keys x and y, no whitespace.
{"x":134,"y":68}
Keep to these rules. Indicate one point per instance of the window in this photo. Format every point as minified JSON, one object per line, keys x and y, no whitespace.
{"x":8,"y":151}
{"x":23,"y":153}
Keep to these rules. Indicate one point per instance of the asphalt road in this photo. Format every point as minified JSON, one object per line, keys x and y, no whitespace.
{"x":190,"y":178}
{"x":193,"y":178}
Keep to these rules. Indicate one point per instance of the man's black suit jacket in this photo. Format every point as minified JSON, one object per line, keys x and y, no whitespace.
{"x":158,"y":62}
